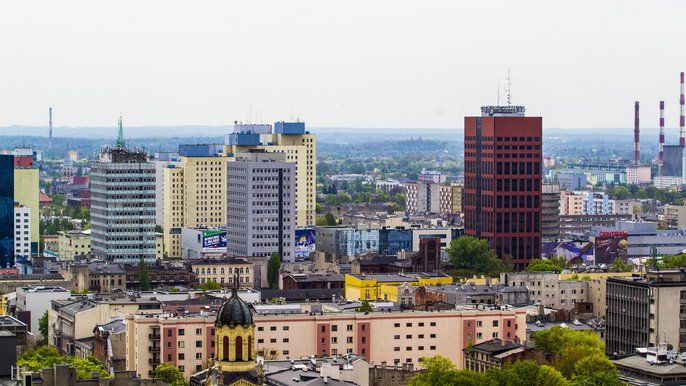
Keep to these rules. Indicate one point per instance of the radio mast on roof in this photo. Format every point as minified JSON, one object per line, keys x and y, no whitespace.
{"x":509,"y":88}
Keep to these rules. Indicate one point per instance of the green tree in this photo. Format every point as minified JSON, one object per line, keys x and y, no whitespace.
{"x":620,"y":266}
{"x":210,"y":285}
{"x":441,"y":371}
{"x":621,"y":193}
{"x":675,"y":261}
{"x":145,"y":277}
{"x":540,"y":265}
{"x":48,"y":356}
{"x":43,"y":327}
{"x":159,"y":229}
{"x":595,"y":369}
{"x":365,"y":307}
{"x":273,"y":267}
{"x":330,"y":219}
{"x":641,"y":194}
{"x":170,"y":374}
{"x":473,"y":257}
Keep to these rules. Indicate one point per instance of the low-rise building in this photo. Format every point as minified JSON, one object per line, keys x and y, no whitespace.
{"x":547,"y":289}
{"x":71,"y":244}
{"x":99,"y":277}
{"x":33,"y":301}
{"x":313,"y":281}
{"x":109,"y":344}
{"x":224,"y":271}
{"x":15,"y":326}
{"x":385,"y":286}
{"x":159,"y":276}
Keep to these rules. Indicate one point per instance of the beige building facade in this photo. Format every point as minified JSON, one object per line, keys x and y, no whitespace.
{"x":73,"y":243}
{"x":224,"y":271}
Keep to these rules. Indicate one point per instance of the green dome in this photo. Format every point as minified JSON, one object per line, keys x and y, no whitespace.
{"x":233,"y":312}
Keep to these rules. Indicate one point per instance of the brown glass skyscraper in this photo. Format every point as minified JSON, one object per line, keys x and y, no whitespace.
{"x":502,"y":193}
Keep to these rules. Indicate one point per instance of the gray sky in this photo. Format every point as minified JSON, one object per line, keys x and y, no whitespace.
{"x":337,"y":63}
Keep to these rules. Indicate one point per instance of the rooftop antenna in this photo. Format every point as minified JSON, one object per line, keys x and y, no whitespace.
{"x":682,"y":141}
{"x":498,"y":92}
{"x":509,"y":88}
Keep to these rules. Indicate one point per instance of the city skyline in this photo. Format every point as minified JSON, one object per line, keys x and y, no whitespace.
{"x":379,"y":65}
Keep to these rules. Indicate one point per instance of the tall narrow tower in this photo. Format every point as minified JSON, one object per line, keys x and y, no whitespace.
{"x":50,"y":125}
{"x":637,"y":135}
{"x":120,"y":137}
{"x":682,"y":141}
{"x":661,"y":144}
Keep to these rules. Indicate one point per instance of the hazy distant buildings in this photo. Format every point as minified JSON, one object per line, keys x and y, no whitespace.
{"x":673,"y":161}
{"x":502,"y":195}
{"x":572,"y":180}
{"x":123,"y":205}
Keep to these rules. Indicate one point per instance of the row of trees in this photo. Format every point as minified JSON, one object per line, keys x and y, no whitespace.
{"x":576,"y":358}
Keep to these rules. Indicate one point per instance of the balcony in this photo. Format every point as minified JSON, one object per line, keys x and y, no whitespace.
{"x":154,"y":361}
{"x":153,"y":349}
{"x":154,"y":336}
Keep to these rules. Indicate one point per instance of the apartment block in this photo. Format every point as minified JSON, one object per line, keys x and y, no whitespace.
{"x":123,"y":206}
{"x":300,"y":148}
{"x":432,"y":197}
{"x":73,"y":243}
{"x":22,"y":233}
{"x":646,"y":311}
{"x":550,"y":212}
{"x":261,"y":209}
{"x":224,"y":271}
{"x":385,"y":337}
{"x":547,"y":289}
{"x":34,"y":300}
{"x":194,"y":193}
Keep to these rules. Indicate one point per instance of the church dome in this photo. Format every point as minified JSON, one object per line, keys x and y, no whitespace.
{"x":233,"y":312}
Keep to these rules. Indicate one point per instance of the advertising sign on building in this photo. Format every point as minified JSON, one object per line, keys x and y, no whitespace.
{"x":304,"y":242}
{"x":214,"y":241}
{"x":609,"y":246}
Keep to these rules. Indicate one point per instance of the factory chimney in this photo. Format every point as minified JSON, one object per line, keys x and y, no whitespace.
{"x":662,"y":138}
{"x":637,"y":135}
{"x":682,"y":141}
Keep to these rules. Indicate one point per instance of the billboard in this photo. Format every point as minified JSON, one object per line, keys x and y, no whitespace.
{"x":609,"y":246}
{"x":304,"y":242}
{"x":213,"y":241}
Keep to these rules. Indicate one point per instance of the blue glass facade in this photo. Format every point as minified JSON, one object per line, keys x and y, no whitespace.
{"x":392,"y":241}
{"x":6,"y":210}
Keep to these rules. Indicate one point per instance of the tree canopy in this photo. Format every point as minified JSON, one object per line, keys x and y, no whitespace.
{"x":43,"y":327}
{"x":170,"y":374}
{"x":273,"y":267}
{"x":145,"y":277}
{"x":472,"y":256}
{"x":540,"y":265}
{"x":47,"y":356}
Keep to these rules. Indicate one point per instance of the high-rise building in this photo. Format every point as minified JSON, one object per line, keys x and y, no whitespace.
{"x":673,"y":161}
{"x":162,"y":160}
{"x":194,"y":192}
{"x":6,"y":210}
{"x":300,"y":148}
{"x":123,"y":205}
{"x":643,"y":312}
{"x":260,"y":209}
{"x":502,"y":194}
{"x":22,"y":236}
{"x":27,"y":193}
{"x":550,"y":212}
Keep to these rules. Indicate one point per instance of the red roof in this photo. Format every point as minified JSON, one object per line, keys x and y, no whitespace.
{"x":44,"y":198}
{"x":80,"y":180}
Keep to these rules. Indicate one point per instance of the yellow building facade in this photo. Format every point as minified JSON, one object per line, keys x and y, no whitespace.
{"x":27,"y":192}
{"x":194,"y":196}
{"x":73,"y":243}
{"x":385,"y":286}
{"x":300,"y":149}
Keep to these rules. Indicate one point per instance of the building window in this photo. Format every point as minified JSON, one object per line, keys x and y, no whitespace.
{"x":182,"y":332}
{"x":495,"y":323}
{"x":181,"y":344}
{"x":198,"y":331}
{"x":182,"y":356}
{"x":432,"y":324}
{"x":334,"y":328}
{"x":396,"y":325}
{"x":396,"y":348}
{"x":198,"y":343}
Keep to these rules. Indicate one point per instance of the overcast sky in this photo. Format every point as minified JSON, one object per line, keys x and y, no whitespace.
{"x":367,"y":63}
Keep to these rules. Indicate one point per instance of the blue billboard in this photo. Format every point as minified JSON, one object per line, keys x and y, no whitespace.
{"x":304,"y":242}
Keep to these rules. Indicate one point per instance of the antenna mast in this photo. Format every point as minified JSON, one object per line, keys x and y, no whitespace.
{"x":50,"y":121}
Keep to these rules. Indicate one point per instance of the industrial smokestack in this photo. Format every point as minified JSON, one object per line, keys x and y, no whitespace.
{"x":50,"y":125}
{"x":682,"y":141}
{"x":662,"y":131}
{"x":637,"y":135}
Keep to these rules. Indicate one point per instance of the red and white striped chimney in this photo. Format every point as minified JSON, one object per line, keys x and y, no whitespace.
{"x":682,"y":141}
{"x":662,"y":132}
{"x":637,"y":134}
